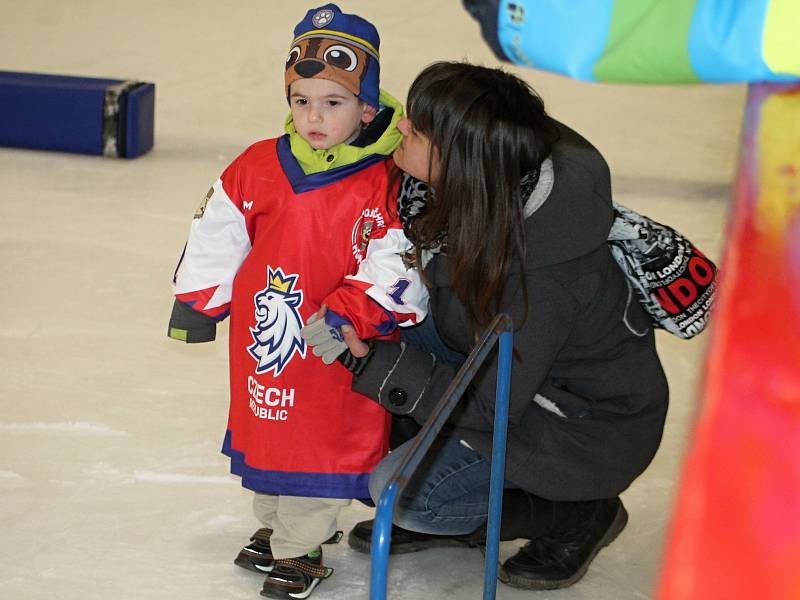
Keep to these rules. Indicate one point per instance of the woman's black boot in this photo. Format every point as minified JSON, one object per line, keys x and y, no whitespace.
{"x":405,"y":541}
{"x":561,"y":557}
{"x":523,"y":516}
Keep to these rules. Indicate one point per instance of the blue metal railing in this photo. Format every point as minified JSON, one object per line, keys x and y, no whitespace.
{"x":499,"y":329}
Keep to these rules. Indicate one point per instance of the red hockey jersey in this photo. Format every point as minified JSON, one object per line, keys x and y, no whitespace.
{"x":270,"y":245}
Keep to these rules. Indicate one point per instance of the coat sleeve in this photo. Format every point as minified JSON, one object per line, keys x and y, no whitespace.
{"x":408,"y":381}
{"x":217,"y":245}
{"x":386,"y":291}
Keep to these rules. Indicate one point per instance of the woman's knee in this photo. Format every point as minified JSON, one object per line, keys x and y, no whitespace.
{"x":382,"y":472}
{"x":447,"y":492}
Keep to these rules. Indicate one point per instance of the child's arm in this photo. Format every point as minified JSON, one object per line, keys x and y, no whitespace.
{"x":386,"y":291}
{"x":218,"y":243}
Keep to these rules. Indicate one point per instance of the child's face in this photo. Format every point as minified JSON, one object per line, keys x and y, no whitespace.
{"x":325,"y":113}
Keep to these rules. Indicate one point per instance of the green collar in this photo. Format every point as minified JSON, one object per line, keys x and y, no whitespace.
{"x":317,"y":161}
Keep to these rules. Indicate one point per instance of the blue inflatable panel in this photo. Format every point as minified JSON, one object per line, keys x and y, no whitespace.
{"x":76,"y":114}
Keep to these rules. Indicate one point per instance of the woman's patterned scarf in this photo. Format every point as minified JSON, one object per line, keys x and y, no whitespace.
{"x":414,"y":194}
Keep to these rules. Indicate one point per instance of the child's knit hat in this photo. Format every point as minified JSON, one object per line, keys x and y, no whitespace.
{"x":330,"y":44}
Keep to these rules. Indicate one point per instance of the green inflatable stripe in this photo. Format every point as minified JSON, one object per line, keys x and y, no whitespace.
{"x":647,"y":43}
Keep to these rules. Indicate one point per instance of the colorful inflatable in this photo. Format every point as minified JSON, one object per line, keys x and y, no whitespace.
{"x":647,"y":41}
{"x":736,"y":527}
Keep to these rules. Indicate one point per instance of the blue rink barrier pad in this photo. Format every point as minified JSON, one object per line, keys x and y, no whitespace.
{"x":87,"y":115}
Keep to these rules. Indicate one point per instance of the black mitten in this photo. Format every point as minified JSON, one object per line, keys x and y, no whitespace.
{"x":190,"y":326}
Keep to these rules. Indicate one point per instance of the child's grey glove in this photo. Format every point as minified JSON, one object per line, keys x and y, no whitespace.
{"x":325,"y":339}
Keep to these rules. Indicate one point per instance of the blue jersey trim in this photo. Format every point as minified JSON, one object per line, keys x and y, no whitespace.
{"x":311,"y":485}
{"x":220,"y":317}
{"x":388,"y":325}
{"x":301,"y":182}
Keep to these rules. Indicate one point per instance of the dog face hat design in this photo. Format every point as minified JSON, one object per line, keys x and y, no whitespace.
{"x":340,"y":47}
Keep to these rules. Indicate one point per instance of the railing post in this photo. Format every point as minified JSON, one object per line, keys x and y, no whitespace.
{"x":498,"y":466}
{"x":382,"y":541}
{"x":500,"y":328}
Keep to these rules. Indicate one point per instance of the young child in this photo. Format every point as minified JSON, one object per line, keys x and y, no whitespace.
{"x":295,"y":223}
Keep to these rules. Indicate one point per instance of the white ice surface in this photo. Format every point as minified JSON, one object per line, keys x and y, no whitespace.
{"x":111,"y":480}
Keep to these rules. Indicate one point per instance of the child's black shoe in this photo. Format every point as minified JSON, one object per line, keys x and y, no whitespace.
{"x":257,"y":556}
{"x":296,"y":577}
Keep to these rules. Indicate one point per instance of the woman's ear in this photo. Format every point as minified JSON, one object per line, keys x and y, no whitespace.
{"x":368,"y":113}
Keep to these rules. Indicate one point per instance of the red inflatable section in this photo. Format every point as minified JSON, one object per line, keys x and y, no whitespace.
{"x":736,"y":529}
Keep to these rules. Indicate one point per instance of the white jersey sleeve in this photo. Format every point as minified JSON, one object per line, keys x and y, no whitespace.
{"x":392,"y":281}
{"x":385,"y":276}
{"x":218,"y":244}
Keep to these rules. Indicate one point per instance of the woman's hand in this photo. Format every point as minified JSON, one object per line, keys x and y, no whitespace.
{"x":357,"y":347}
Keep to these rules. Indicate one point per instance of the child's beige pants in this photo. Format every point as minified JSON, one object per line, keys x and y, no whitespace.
{"x":298,"y":524}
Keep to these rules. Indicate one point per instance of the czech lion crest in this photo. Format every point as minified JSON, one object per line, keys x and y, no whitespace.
{"x":277,"y":331}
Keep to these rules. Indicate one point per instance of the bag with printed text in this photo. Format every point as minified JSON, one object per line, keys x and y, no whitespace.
{"x":674,"y":280}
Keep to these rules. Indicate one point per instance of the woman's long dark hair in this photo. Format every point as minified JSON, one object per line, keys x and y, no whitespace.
{"x":488,"y":129}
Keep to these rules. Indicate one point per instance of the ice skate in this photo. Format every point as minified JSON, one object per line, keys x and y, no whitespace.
{"x":257,"y":556}
{"x":296,"y":577}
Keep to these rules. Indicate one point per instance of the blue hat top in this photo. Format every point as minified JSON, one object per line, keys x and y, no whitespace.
{"x":342,"y":47}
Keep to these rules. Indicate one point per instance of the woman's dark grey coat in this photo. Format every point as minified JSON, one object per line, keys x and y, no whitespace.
{"x":588,"y":394}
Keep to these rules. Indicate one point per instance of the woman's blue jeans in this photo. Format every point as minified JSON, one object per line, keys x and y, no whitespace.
{"x":449,"y":492}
